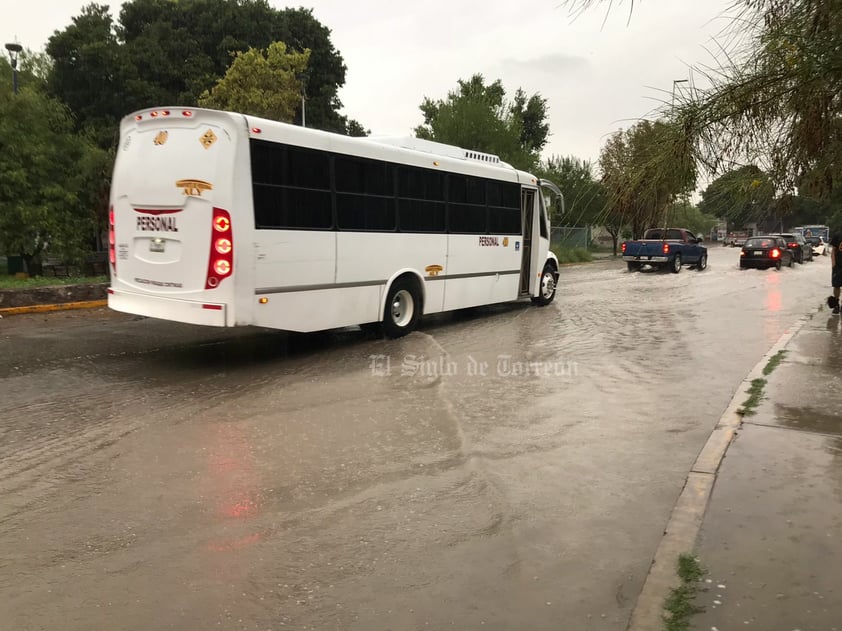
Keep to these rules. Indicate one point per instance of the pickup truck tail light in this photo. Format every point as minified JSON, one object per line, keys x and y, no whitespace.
{"x":666,"y":248}
{"x":776,"y":253}
{"x":623,"y":248}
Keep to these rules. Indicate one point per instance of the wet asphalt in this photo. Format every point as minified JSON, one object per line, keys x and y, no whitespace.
{"x":506,"y":467}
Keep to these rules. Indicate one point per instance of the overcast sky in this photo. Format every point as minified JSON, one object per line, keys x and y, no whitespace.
{"x":597,"y":73}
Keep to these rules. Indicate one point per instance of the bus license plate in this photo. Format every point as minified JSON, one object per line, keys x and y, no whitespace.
{"x":157,"y":245}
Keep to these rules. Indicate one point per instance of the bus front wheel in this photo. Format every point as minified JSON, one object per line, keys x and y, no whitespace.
{"x":546,"y":293}
{"x":403,"y":308}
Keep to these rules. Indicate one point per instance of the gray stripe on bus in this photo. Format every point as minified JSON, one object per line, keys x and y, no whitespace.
{"x":285,"y":290}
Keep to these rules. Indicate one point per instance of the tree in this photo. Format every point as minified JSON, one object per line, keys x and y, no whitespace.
{"x":741,"y":196}
{"x":476,"y":116}
{"x":47,"y":175}
{"x":170,"y":53}
{"x":644,"y":169}
{"x":353,"y":128}
{"x":776,"y":98}
{"x":584,"y":196}
{"x":532,"y":116}
{"x":686,"y":215}
{"x":265,"y":86}
{"x":88,"y":71}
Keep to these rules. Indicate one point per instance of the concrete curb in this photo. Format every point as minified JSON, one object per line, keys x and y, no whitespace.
{"x":87,"y":304}
{"x":682,"y":529}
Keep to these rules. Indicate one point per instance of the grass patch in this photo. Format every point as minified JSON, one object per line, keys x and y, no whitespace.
{"x":10,"y":282}
{"x":680,"y":606}
{"x":572,"y":255}
{"x":755,"y":393}
{"x":776,"y":359}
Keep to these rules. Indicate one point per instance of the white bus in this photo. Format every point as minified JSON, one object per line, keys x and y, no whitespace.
{"x":223,"y":219}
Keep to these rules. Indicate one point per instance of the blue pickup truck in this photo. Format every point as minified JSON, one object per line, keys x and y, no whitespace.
{"x":665,"y":247}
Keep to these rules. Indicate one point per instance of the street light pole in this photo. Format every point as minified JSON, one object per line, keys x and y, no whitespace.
{"x":675,"y":82}
{"x":14,"y":50}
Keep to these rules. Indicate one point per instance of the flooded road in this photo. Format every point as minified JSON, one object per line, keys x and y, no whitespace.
{"x":510,"y":467}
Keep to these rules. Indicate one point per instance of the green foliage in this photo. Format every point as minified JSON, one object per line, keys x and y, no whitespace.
{"x":531,"y":114}
{"x":353,"y":128}
{"x":8,"y":282}
{"x":32,"y":70}
{"x":755,"y":395}
{"x":680,"y":606}
{"x":775,"y":96}
{"x":773,"y":362}
{"x":742,"y":196}
{"x":89,"y":72}
{"x":477,"y":116}
{"x":584,"y":196}
{"x":571,"y":255}
{"x":162,"y":52}
{"x":685,"y":215}
{"x":47,"y":174}
{"x":644,"y":169}
{"x":265,"y":86}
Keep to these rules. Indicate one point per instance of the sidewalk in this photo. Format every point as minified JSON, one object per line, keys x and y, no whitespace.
{"x":771,"y":537}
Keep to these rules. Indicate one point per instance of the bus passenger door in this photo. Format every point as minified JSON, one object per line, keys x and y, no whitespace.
{"x":527,"y":201}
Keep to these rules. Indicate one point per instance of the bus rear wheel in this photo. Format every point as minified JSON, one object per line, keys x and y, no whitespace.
{"x":403,"y":308}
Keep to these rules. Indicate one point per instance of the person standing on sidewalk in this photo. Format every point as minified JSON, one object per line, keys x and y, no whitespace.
{"x":836,"y":269}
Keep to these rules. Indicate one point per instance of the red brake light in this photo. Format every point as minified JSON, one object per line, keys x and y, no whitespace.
{"x":776,"y":253}
{"x":666,"y":248}
{"x":623,"y":247}
{"x":112,"y":242}
{"x":187,"y":113}
{"x":221,"y":259}
{"x":222,"y":267}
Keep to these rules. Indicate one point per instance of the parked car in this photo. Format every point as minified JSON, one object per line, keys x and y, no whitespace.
{"x":801,"y":250}
{"x":765,"y":252}
{"x":669,"y":248}
{"x":819,"y":246}
{"x":736,"y":239}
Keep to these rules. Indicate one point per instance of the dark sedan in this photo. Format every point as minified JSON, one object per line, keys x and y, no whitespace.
{"x":765,"y":252}
{"x":798,"y":245}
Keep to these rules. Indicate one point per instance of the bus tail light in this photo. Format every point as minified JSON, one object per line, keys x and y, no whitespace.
{"x":112,"y":242}
{"x":221,"y":260}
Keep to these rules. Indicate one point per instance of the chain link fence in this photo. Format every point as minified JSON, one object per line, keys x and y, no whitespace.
{"x":571,"y":236}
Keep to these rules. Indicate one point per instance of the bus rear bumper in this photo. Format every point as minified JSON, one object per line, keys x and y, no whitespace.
{"x":187,"y":311}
